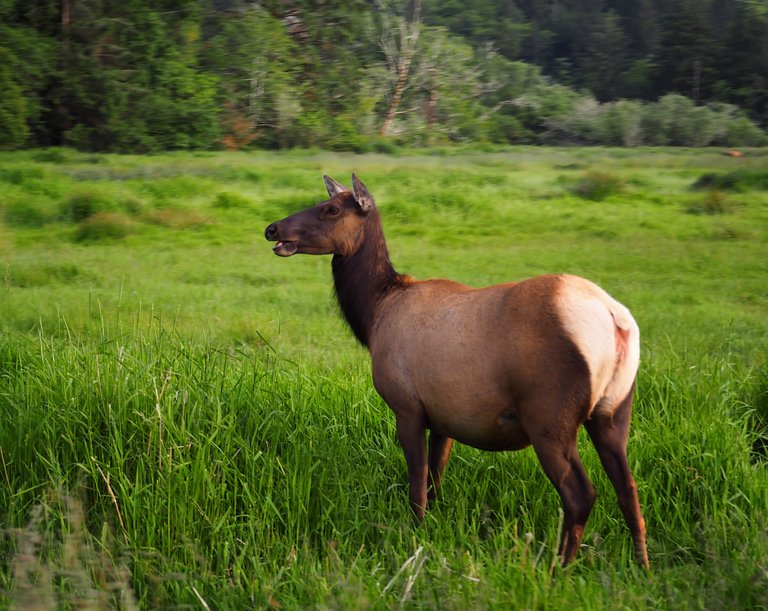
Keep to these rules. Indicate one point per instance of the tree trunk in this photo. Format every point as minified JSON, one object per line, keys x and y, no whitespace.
{"x":66,"y":18}
{"x":696,"y":89}
{"x":402,"y":78}
{"x":409,"y":36}
{"x":431,"y":110}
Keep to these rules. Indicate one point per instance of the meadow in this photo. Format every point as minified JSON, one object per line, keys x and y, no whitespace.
{"x":185,"y":420}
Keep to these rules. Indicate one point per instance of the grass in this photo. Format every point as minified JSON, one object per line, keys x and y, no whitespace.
{"x":184,"y":420}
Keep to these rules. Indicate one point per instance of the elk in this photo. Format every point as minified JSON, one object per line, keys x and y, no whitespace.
{"x":497,"y":368}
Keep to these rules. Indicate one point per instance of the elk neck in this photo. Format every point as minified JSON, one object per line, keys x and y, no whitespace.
{"x":364,"y":277}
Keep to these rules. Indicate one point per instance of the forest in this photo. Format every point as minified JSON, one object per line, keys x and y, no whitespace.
{"x":139,"y":76}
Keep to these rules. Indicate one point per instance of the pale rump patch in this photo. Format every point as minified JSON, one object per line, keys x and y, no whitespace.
{"x":607,"y":337}
{"x":622,"y":337}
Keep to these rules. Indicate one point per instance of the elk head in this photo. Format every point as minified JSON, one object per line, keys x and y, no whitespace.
{"x":335,"y":226}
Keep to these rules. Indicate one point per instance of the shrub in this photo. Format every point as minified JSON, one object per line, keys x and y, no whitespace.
{"x":740,"y":131}
{"x":672,"y":121}
{"x":714,"y":202}
{"x":738,"y":180}
{"x":21,"y":174}
{"x":84,"y":204}
{"x":383,"y":145}
{"x":131,"y":204}
{"x":228,"y":200}
{"x":176,"y":218}
{"x":676,"y":121}
{"x":620,"y":123}
{"x":703,"y":127}
{"x":104,"y":226}
{"x":666,"y":121}
{"x":38,"y":274}
{"x":27,"y":213}
{"x":53,"y":155}
{"x":577,"y":126}
{"x":734,"y":128}
{"x":596,"y":186}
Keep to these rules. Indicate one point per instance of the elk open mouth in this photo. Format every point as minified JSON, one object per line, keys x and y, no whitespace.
{"x":285,"y":249}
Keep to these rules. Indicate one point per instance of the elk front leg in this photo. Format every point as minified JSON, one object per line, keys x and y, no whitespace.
{"x":411,"y":433}
{"x":439,"y":451}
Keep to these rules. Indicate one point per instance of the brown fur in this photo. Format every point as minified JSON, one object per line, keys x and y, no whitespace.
{"x":497,"y":368}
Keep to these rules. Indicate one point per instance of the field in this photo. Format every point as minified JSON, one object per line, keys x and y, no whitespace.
{"x":185,"y":421}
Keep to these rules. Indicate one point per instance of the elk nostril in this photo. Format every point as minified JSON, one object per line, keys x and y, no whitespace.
{"x":270,"y":231}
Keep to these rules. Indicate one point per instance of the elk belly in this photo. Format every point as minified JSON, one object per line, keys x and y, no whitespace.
{"x":490,"y":426}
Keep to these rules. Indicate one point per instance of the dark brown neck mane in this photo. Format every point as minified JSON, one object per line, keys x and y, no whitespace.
{"x":363,"y":278}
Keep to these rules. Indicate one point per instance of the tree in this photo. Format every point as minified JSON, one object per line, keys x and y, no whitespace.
{"x":145,"y":76}
{"x":603,"y":63}
{"x":744,"y":62}
{"x":449,"y":87}
{"x":687,"y":49}
{"x":398,"y":41}
{"x":31,"y":60}
{"x":13,"y":126}
{"x":256,"y":62}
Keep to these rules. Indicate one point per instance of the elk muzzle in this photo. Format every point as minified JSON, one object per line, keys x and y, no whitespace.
{"x":283,"y":248}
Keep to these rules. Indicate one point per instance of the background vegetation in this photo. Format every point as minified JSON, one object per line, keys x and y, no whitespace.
{"x":184,"y":419}
{"x":361,"y":75}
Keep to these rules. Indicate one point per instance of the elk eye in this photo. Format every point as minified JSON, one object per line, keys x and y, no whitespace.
{"x":332,"y":211}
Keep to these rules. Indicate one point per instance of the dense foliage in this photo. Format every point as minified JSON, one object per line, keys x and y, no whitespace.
{"x":184,"y":74}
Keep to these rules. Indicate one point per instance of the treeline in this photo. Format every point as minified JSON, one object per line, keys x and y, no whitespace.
{"x":139,"y":76}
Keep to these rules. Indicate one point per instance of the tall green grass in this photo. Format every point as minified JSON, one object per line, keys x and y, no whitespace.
{"x":184,"y":419}
{"x":249,"y":479}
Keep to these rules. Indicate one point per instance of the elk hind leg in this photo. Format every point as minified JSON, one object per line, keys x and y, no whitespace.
{"x":609,"y":432}
{"x":563,"y":467}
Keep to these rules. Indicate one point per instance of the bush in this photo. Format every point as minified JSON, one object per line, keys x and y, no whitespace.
{"x":672,"y":121}
{"x":740,"y":131}
{"x":738,"y":180}
{"x":38,"y":274}
{"x":503,"y":129}
{"x":21,"y":174}
{"x":676,"y":121}
{"x":177,"y":218}
{"x":27,"y":213}
{"x":596,"y":186}
{"x":714,"y":202}
{"x":577,"y":126}
{"x":104,"y":226}
{"x":54,"y":155}
{"x":666,"y":122}
{"x":620,"y":124}
{"x":383,"y":145}
{"x":228,"y":200}
{"x":84,"y":204}
{"x":703,"y":127}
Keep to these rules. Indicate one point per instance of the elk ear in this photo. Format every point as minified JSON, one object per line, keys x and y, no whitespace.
{"x":362,"y":197}
{"x":332,"y":186}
